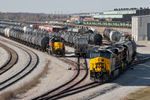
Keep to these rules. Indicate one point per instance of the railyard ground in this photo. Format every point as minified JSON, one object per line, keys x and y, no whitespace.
{"x":128,"y":82}
{"x":142,"y":94}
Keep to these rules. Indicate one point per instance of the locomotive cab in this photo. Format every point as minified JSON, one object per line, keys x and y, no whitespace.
{"x":105,"y":65}
{"x":56,"y":46}
{"x":100,"y":65}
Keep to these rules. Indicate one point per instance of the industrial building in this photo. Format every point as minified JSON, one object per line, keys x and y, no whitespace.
{"x":122,"y":14}
{"x":141,"y":28}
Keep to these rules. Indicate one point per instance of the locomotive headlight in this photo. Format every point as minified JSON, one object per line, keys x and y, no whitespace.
{"x":93,"y":70}
{"x":104,"y":69}
{"x":102,"y":59}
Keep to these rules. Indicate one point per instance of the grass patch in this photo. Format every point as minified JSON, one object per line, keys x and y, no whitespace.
{"x":27,"y":86}
{"x":142,"y":94}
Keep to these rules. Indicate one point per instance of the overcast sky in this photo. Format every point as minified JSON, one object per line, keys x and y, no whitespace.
{"x":68,"y":6}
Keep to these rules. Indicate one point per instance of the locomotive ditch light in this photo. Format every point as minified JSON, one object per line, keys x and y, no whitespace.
{"x":99,"y":59}
{"x":93,"y":69}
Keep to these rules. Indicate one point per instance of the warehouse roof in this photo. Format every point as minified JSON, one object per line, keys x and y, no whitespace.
{"x":120,"y":12}
{"x":108,"y":16}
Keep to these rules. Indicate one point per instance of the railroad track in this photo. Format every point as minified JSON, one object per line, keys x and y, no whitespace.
{"x":11,"y":61}
{"x":30,"y":66}
{"x":67,"y":90}
{"x":77,"y":88}
{"x":77,"y":79}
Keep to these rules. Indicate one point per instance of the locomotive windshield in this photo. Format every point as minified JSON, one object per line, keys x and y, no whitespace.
{"x":56,"y":39}
{"x":105,"y":54}
{"x":101,"y":53}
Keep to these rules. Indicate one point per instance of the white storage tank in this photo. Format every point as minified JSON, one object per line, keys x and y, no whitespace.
{"x":141,"y":28}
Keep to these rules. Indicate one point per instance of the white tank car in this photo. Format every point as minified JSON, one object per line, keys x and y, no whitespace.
{"x":115,"y":36}
{"x":6,"y":32}
{"x":25,"y":29}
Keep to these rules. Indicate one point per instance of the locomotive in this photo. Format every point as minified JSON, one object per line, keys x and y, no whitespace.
{"x":112,"y":61}
{"x":56,"y":46}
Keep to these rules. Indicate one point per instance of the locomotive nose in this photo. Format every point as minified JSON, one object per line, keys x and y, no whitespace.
{"x":58,"y":52}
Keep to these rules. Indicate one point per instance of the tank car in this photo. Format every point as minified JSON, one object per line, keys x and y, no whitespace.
{"x":2,"y":31}
{"x":36,"y":38}
{"x":113,"y":36}
{"x":81,"y":46}
{"x":95,"y":38}
{"x":92,"y":38}
{"x":42,"y":42}
{"x":6,"y":32}
{"x":69,"y":38}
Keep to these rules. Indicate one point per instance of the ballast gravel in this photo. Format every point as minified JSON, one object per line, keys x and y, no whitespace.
{"x":57,"y":74}
{"x":129,"y":81}
{"x":4,"y":56}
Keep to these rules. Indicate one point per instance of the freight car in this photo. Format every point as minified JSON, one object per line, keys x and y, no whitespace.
{"x":110,"y":24}
{"x":34,"y":38}
{"x":112,"y":61}
{"x":92,"y":38}
{"x":113,"y":36}
{"x":81,"y":46}
{"x":52,"y":28}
